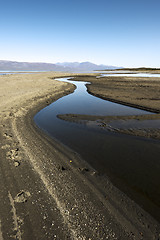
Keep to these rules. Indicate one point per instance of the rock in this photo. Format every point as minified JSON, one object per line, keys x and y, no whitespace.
{"x":22,"y":197}
{"x":16,"y":163}
{"x":84,"y":170}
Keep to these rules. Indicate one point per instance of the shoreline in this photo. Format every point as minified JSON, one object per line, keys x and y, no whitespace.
{"x":105,"y":123}
{"x":50,"y":190}
{"x":153,"y":110}
{"x":140,"y":92}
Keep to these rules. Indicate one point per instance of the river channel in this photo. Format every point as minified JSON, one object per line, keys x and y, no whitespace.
{"x":132,"y":163}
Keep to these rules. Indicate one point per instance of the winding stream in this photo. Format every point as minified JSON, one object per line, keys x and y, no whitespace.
{"x":131,"y":163}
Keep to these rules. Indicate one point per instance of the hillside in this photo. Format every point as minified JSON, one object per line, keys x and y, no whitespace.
{"x":67,"y":66}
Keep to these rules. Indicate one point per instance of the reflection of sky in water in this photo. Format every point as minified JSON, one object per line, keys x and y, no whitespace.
{"x":80,"y":102}
{"x":132,"y":75}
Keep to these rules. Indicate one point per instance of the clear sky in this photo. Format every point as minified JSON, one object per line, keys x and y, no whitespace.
{"x":116,"y":32}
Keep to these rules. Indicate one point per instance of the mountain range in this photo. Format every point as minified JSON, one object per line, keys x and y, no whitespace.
{"x":65,"y":66}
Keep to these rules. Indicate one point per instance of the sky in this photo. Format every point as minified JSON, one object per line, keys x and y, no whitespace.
{"x":116,"y":32}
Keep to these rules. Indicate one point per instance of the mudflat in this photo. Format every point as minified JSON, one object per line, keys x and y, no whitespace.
{"x":138,"y":92}
{"x":47,"y":190}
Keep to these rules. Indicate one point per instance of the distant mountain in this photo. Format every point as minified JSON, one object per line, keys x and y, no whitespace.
{"x":84,"y":66}
{"x":66,"y":66}
{"x":26,"y":66}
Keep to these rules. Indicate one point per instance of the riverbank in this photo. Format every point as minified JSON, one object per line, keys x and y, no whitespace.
{"x":48,"y":191}
{"x":138,"y":92}
{"x":131,"y":125}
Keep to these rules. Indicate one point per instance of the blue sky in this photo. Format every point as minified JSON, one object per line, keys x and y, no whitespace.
{"x":121,"y":33}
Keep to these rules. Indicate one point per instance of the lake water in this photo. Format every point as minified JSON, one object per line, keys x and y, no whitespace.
{"x":10,"y":72}
{"x":123,"y":74}
{"x":18,"y":72}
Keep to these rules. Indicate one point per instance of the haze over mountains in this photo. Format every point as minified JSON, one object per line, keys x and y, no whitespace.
{"x":66,"y":66}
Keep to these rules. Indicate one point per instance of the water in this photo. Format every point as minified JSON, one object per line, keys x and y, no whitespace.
{"x":3,"y":73}
{"x":18,"y":72}
{"x":79,"y":102}
{"x":8,"y":72}
{"x":117,"y":74}
{"x":131,"y":163}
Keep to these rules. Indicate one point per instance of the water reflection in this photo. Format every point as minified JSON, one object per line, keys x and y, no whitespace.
{"x":131,"y":163}
{"x":118,"y":74}
{"x":81,"y":102}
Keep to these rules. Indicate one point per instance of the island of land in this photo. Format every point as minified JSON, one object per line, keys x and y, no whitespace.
{"x":47,"y":190}
{"x":137,"y":92}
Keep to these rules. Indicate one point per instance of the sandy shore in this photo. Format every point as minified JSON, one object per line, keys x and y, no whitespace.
{"x":48,"y":191}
